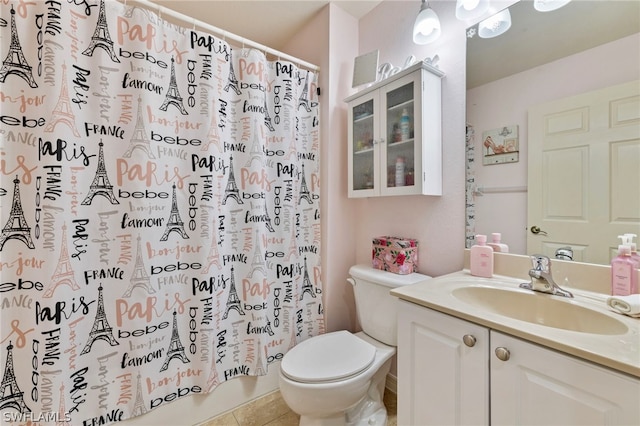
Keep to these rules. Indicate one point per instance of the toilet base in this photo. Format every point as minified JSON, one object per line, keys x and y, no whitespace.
{"x":365,"y":413}
{"x":369,"y":411}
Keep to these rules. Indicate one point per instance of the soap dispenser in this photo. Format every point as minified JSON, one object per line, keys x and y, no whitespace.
{"x":496,"y":245}
{"x":634,"y":249}
{"x":624,"y":273}
{"x":481,"y":258}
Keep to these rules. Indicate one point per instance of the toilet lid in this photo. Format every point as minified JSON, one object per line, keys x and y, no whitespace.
{"x":328,"y":357}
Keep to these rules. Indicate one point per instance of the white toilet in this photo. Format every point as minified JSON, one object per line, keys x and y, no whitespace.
{"x":338,"y":378}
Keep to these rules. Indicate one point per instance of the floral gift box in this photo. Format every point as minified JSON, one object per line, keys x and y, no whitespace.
{"x":395,"y":254}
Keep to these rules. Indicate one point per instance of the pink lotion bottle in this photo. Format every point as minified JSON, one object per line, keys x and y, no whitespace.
{"x":624,"y":275}
{"x":496,"y":245}
{"x":481,"y":258}
{"x":634,"y":249}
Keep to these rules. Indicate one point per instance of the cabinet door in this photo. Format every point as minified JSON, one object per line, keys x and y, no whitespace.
{"x":538,"y":386}
{"x":363,"y":140}
{"x":443,"y":377}
{"x":400,"y":125}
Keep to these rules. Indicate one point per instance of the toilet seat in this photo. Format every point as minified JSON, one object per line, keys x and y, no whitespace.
{"x":328,"y":357}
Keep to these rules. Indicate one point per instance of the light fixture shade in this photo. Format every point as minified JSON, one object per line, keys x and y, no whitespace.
{"x":495,"y":25}
{"x":549,"y":5}
{"x":426,"y":29}
{"x":467,"y":10}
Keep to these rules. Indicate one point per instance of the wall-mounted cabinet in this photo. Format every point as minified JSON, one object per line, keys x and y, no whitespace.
{"x":452,"y":371}
{"x":395,"y":135}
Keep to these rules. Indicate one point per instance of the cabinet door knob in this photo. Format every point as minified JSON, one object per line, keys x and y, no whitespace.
{"x":503,"y":354}
{"x":469,"y":340}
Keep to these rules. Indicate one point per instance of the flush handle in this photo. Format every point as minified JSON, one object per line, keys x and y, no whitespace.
{"x":469,"y":340}
{"x":503,"y":354}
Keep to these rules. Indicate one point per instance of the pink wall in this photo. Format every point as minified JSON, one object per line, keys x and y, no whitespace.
{"x":437,"y":222}
{"x":566,"y":77}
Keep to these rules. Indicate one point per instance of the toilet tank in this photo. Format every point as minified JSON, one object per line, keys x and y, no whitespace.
{"x":376,"y":308}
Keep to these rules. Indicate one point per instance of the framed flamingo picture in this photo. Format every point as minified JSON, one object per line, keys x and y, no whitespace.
{"x":500,"y":145}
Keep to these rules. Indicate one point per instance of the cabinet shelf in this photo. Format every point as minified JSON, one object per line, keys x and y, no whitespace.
{"x":363,"y":151}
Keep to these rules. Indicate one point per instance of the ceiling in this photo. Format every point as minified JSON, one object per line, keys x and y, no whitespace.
{"x":580,"y":25}
{"x":537,"y":38}
{"x":267,"y":22}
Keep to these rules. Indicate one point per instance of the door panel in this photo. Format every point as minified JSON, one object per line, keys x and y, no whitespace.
{"x":584,"y":172}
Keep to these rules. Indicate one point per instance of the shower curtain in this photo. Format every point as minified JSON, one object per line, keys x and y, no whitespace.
{"x":160,"y":211}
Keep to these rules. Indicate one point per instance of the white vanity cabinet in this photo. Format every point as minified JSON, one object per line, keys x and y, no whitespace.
{"x":500,"y":380}
{"x":443,"y":375}
{"x":395,"y":136}
{"x":539,"y":386}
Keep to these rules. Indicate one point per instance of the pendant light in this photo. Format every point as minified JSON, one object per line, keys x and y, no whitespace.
{"x":549,"y":5}
{"x":495,"y":25}
{"x":426,"y":29}
{"x":467,"y":10}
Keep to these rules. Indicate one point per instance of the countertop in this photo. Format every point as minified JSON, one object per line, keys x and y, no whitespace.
{"x":620,"y":352}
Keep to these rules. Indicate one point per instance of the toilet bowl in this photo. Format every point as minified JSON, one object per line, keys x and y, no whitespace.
{"x":338,"y":378}
{"x":325,"y":391}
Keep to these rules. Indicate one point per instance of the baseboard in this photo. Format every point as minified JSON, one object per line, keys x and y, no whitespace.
{"x":392,"y":383}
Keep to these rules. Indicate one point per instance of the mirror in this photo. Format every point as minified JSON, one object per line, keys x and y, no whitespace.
{"x":534,"y":63}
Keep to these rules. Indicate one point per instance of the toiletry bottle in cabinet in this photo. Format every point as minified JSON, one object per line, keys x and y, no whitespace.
{"x":624,"y":275}
{"x":400,"y":165}
{"x":405,"y":125}
{"x":496,"y":245}
{"x":481,"y":258}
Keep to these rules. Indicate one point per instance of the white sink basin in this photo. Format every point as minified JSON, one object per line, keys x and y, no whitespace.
{"x":540,"y":308}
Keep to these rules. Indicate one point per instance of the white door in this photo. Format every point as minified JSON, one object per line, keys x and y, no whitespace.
{"x":584,"y":173}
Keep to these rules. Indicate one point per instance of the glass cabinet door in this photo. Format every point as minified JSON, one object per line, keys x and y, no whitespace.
{"x":364,"y":158}
{"x":400,"y":136}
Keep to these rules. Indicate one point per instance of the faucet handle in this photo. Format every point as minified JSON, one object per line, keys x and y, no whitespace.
{"x":541,"y":263}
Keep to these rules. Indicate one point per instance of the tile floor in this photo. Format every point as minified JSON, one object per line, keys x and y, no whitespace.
{"x":271,"y":410}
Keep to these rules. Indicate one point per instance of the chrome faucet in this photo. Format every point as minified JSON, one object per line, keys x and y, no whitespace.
{"x":541,"y":279}
{"x":564,"y":253}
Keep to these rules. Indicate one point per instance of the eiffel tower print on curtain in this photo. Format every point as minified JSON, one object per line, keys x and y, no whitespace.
{"x":139,"y":140}
{"x":139,"y":277}
{"x":233,"y":301}
{"x":138,"y":406}
{"x":173,"y":95}
{"x":175,"y":223}
{"x":64,"y":273}
{"x":15,"y":62}
{"x":267,"y":117}
{"x":101,"y":37}
{"x":176,"y":350}
{"x":231,"y":190}
{"x":304,"y":189}
{"x":16,"y":227}
{"x":257,"y":263}
{"x":257,"y":150}
{"x":62,"y":411}
{"x":10,"y":393}
{"x":62,"y":113}
{"x":303,"y":100}
{"x":101,"y":330}
{"x":100,"y":184}
{"x":232,"y":81}
{"x":307,"y":287}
